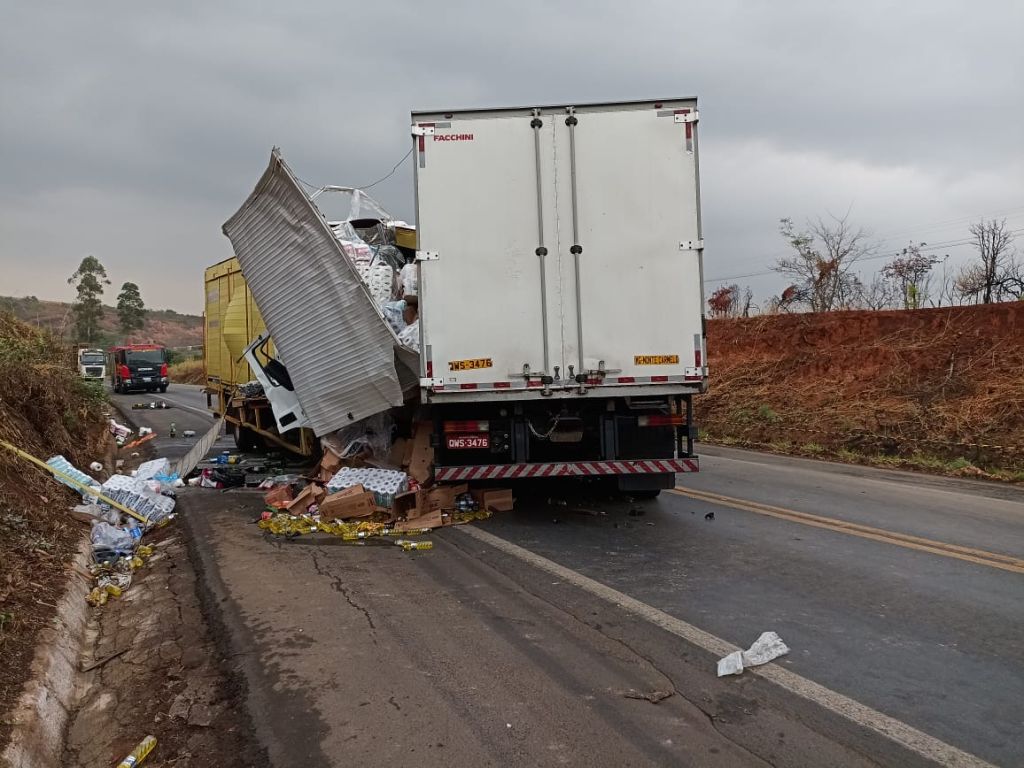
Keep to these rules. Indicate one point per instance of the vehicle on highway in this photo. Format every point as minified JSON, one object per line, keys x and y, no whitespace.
{"x":558,"y":263}
{"x":138,"y":367}
{"x":92,"y":363}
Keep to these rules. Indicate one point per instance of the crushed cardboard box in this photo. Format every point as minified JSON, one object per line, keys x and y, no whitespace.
{"x":347,"y":504}
{"x":310,"y":495}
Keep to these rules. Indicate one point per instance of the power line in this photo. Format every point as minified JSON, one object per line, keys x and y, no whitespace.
{"x":390,"y":173}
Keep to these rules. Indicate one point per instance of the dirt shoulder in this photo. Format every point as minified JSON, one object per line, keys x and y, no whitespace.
{"x":166,"y":675}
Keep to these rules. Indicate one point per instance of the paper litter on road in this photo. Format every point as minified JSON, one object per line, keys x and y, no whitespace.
{"x":767,"y":647}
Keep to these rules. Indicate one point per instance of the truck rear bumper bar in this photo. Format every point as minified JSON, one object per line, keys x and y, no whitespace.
{"x":566,"y":469}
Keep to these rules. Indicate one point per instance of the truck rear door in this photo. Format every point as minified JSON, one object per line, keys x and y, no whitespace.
{"x":481,"y":229}
{"x":562,"y":240}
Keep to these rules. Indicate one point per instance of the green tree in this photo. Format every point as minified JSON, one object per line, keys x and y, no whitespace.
{"x":89,"y":279}
{"x":130,"y":309}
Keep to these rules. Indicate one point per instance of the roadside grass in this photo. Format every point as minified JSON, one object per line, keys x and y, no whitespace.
{"x":187,"y":372}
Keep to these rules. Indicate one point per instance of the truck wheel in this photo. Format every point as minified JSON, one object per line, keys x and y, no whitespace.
{"x":163,"y":388}
{"x":246,"y":440}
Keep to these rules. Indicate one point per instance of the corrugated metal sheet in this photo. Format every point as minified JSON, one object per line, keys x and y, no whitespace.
{"x":337,"y":348}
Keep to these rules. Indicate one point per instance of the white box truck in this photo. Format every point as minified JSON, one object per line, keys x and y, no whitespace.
{"x":560,"y":293}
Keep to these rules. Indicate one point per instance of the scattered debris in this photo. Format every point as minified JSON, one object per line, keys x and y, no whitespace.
{"x":767,"y":647}
{"x":189,"y":433}
{"x":709,"y":516}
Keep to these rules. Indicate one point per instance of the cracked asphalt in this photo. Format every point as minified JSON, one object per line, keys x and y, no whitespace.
{"x":368,"y":655}
{"x":362,"y":654}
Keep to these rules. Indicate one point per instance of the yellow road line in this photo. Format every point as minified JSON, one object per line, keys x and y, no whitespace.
{"x":967,"y":554}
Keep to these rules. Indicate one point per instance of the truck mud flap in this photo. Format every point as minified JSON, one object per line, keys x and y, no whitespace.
{"x":338,"y":350}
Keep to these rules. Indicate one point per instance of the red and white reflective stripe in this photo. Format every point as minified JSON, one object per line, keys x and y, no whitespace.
{"x":535,"y":384}
{"x":646,"y":379}
{"x":422,"y":145}
{"x":566,"y":469}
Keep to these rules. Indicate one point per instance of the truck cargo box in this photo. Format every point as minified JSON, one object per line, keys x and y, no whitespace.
{"x":560,"y":251}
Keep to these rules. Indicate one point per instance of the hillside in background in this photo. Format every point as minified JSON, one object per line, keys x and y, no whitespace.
{"x":164,"y":326}
{"x":939,"y":389}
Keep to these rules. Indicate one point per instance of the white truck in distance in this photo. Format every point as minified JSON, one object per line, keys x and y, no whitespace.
{"x":559,"y":262}
{"x":92,"y":363}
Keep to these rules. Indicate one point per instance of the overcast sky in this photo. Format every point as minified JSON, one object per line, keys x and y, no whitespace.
{"x":132,"y":130}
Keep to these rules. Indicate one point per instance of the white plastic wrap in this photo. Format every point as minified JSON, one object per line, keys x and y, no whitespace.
{"x":410,"y":336}
{"x":373,"y":433}
{"x":150,"y":469}
{"x":407,"y":280}
{"x":767,"y":647}
{"x":393,"y":311}
{"x":384,"y":484}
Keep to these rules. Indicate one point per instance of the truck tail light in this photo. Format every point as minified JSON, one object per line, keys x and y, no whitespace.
{"x":451,"y":427}
{"x":660,"y":421}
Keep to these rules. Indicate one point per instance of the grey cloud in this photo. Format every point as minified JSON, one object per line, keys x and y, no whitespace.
{"x":172,"y":108}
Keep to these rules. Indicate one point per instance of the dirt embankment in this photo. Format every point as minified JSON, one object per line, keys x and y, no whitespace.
{"x":939,"y":389}
{"x":45,"y":409}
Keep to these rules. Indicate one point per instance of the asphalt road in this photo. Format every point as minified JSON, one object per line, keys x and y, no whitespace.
{"x":186,"y":411}
{"x":582,"y":630}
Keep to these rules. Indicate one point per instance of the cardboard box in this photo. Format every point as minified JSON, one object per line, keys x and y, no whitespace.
{"x":311,"y":494}
{"x":331,"y":461}
{"x":349,"y":503}
{"x":329,"y":465}
{"x":279,"y":497}
{"x":421,"y":460}
{"x":410,"y":505}
{"x":443,"y":496}
{"x":429,"y":520}
{"x":398,"y":451}
{"x":495,"y":499}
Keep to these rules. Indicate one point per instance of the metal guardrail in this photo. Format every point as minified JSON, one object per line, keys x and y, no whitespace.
{"x":198,"y":452}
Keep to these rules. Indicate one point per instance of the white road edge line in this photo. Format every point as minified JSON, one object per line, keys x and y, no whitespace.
{"x":186,"y":406}
{"x":907,"y":736}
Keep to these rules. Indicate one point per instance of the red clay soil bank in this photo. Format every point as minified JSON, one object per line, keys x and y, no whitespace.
{"x":942,"y":382}
{"x":44,"y":409}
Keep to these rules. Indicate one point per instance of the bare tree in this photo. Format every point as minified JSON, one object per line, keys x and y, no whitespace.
{"x":996,"y":275}
{"x":747,"y":302}
{"x":878,"y":294}
{"x":910,"y":273}
{"x":822,"y":260}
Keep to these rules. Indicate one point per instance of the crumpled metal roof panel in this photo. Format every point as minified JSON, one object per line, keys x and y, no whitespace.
{"x":326,"y":329}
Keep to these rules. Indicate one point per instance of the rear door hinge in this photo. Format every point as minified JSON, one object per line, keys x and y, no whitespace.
{"x":687,"y":117}
{"x":691,"y":245}
{"x":423,"y":130}
{"x":427,"y":256}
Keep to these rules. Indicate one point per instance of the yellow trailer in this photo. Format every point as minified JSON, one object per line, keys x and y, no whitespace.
{"x":232,"y":322}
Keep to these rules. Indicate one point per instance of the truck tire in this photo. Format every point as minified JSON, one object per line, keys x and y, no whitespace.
{"x":246,"y":440}
{"x":163,"y":388}
{"x":645,"y":495}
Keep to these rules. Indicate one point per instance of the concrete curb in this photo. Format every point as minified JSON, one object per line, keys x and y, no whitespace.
{"x":40,"y":717}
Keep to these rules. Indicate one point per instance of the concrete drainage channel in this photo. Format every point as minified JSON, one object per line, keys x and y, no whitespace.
{"x":41,"y":716}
